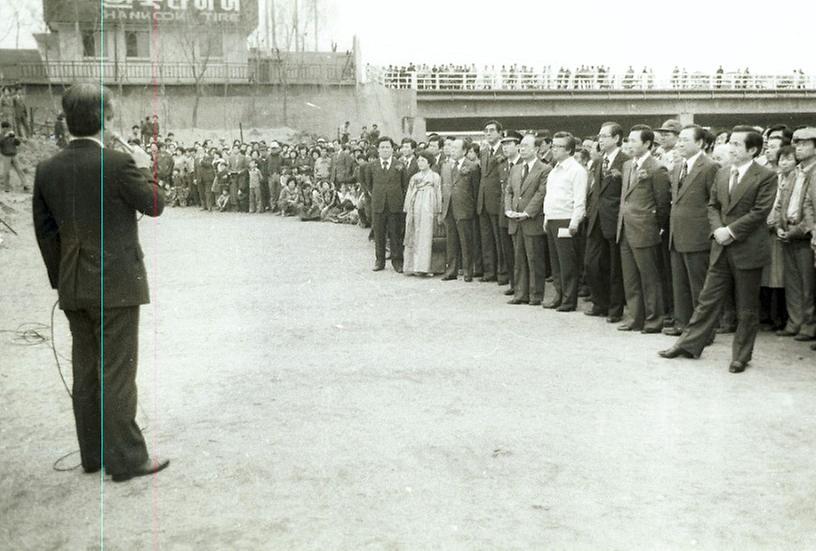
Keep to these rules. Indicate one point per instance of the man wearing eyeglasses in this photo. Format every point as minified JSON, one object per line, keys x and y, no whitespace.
{"x":602,"y":261}
{"x":564,"y":209}
{"x":741,"y":199}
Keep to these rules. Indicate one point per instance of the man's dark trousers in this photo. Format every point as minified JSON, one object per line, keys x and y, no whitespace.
{"x":393,"y":224}
{"x":124,"y":446}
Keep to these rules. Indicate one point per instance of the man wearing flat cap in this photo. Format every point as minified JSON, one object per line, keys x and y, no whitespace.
{"x":795,"y":230}
{"x":511,"y":158}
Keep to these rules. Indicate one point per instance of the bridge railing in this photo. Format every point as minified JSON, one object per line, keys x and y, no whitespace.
{"x":504,"y":81}
{"x":263,"y":71}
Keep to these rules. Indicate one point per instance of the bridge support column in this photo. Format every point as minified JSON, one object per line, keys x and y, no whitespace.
{"x":686,"y":118}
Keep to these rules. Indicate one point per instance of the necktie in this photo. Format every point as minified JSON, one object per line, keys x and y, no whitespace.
{"x":683,"y":174}
{"x":733,"y":181}
{"x":385,"y":165}
{"x":524,"y":172}
{"x":605,"y":165}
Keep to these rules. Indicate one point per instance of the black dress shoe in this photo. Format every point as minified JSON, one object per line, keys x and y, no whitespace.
{"x":595,"y":313}
{"x":487,"y":279}
{"x":614,"y":319}
{"x":565,"y":308}
{"x":583,"y":292}
{"x":503,"y":282}
{"x":468,"y":279}
{"x":651,"y":330}
{"x":668,"y":322}
{"x":398,"y":269}
{"x":477,"y":274}
{"x":147,"y":468}
{"x":785,"y":333}
{"x":510,"y":292}
{"x":535,"y":303}
{"x":449,"y":277}
{"x":736,"y":367}
{"x":672,"y":331}
{"x":627,"y":327}
{"x":378,"y":268}
{"x":803,"y":338}
{"x":91,"y":470}
{"x":676,"y":352}
{"x":552,"y":305}
{"x":517,"y":301}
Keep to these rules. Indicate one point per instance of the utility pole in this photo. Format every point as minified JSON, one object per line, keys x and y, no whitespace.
{"x":274,"y":24}
{"x":297,"y":29}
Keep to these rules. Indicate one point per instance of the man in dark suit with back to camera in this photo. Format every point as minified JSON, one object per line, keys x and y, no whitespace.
{"x":741,"y":198}
{"x":88,"y":233}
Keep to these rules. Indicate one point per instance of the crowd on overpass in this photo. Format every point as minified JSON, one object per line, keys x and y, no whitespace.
{"x":447,"y":77}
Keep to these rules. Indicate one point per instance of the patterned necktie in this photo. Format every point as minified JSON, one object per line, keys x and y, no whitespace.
{"x":733,"y":181}
{"x":683,"y":174}
{"x":385,"y":165}
{"x":524,"y":172}
{"x":605,"y":165}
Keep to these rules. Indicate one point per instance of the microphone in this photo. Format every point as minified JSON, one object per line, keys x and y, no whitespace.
{"x":118,"y":139}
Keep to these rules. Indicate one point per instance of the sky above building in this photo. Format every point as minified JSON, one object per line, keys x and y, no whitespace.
{"x":699,"y":35}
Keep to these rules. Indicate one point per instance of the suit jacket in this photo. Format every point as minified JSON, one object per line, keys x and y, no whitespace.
{"x":67,"y":201}
{"x":645,"y":203}
{"x":437,"y":166}
{"x":744,"y":211}
{"x":689,"y":231}
{"x":411,"y":168}
{"x":604,"y":196}
{"x":387,"y":188}
{"x":490,"y":192}
{"x":527,"y":196}
{"x":459,"y":189}
{"x":802,"y":228}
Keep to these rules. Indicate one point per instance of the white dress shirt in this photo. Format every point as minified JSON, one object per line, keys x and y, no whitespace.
{"x":566,"y":192}
{"x":91,"y":138}
{"x":691,"y":160}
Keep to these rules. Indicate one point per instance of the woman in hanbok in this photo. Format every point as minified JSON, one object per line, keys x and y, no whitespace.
{"x":423,"y":205}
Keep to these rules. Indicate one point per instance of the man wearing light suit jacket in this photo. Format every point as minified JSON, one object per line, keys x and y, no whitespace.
{"x":741,"y":198}
{"x":643,"y":218}
{"x":689,"y":236}
{"x":524,"y":208}
{"x":458,"y":211}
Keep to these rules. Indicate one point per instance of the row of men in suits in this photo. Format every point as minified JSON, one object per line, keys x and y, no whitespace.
{"x":701,"y":226}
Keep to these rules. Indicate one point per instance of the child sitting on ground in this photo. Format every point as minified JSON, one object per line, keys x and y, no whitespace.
{"x":223,"y":200}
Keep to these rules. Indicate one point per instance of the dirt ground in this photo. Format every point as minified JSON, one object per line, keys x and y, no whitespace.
{"x":308,"y":403}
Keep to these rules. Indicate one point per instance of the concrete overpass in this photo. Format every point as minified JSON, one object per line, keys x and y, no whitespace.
{"x":583,"y":111}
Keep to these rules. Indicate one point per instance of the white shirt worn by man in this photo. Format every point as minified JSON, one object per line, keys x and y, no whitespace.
{"x":691,"y":160}
{"x":793,"y":213}
{"x":566,"y":193}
